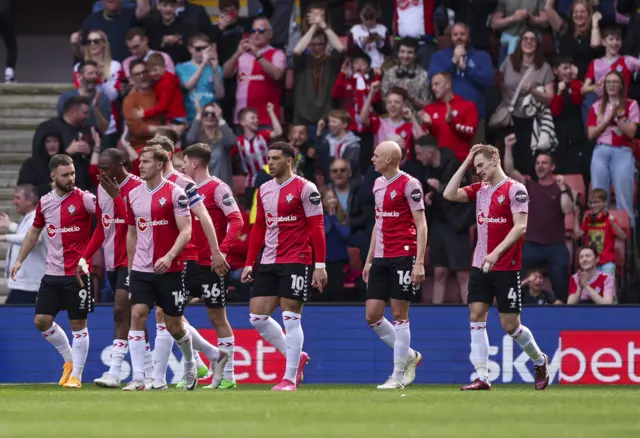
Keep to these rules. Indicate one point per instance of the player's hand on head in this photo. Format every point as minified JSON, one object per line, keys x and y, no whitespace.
{"x":319,"y":279}
{"x":247,"y":275}
{"x":417,"y":274}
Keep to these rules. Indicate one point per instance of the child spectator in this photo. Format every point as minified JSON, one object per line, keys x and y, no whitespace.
{"x":398,"y":120}
{"x":600,"y":230}
{"x":369,"y":37}
{"x":169,"y":99}
{"x":253,"y":145}
{"x":588,"y":285}
{"x":339,"y":142}
{"x":306,"y":153}
{"x":532,"y":292}
{"x":573,"y":153}
{"x":337,"y":233}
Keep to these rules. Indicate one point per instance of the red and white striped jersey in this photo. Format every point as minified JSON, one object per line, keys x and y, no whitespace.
{"x":225,"y":214}
{"x":154,"y":213}
{"x":67,"y":222}
{"x":191,"y":190}
{"x":396,"y":200}
{"x":254,"y":154}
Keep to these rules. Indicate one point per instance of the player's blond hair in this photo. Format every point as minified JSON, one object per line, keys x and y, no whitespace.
{"x":488,"y":151}
{"x":163,"y":142}
{"x":158,"y":153}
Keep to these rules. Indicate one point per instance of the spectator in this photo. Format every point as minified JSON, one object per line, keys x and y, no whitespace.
{"x":115,"y":21}
{"x":236,"y":257}
{"x":449,"y":222}
{"x":339,"y":142}
{"x":474,"y":14}
{"x":578,"y":37}
{"x":407,"y":74}
{"x":334,"y":12}
{"x":210,"y":127}
{"x":512,"y":18}
{"x":573,"y":154}
{"x":550,"y":201}
{"x":100,"y":112}
{"x":166,"y":87}
{"x":24,"y":289}
{"x":399,"y":120}
{"x":141,"y":96}
{"x":471,"y":71}
{"x":169,"y":32}
{"x":202,"y":76}
{"x":315,"y":72}
{"x":613,"y":123}
{"x":195,"y":17}
{"x":305,"y":152}
{"x":231,"y":29}
{"x":35,"y":170}
{"x":525,"y":66}
{"x":308,"y":10}
{"x":253,"y":145}
{"x":605,"y":7}
{"x":8,"y":34}
{"x":282,"y":18}
{"x":588,"y":285}
{"x":138,"y":45}
{"x":600,"y":230}
{"x":75,"y":136}
{"x":612,"y":61}
{"x":109,"y":71}
{"x":631,"y":42}
{"x":336,"y":230}
{"x":344,"y":187}
{"x":260,"y":68}
{"x":369,"y":37}
{"x":414,"y":20}
{"x":532,"y":292}
{"x":451,"y":119}
{"x":178,"y":162}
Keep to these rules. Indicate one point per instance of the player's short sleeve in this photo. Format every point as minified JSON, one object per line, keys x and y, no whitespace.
{"x":279,"y":59}
{"x":224,"y":200}
{"x":592,"y":117}
{"x":180,"y":202}
{"x":39,"y":221}
{"x":311,"y":200}
{"x":89,"y":202}
{"x":519,"y":198}
{"x":413,"y":193}
{"x":191,"y":191}
{"x":472,"y":190}
{"x":609,"y":288}
{"x":573,"y":284}
{"x":131,"y":217}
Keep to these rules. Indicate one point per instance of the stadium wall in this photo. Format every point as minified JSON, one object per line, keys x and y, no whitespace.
{"x":587,"y":345}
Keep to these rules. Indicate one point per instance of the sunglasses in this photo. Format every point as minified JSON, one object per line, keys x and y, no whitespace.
{"x":338,"y":170}
{"x":95,"y":41}
{"x":200,"y":48}
{"x":209,"y":114}
{"x":259,"y":30}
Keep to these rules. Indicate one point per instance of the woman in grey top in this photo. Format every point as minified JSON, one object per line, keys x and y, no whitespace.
{"x":210,"y":127}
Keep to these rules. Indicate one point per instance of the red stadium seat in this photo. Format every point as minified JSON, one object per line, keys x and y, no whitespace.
{"x":354,"y":258}
{"x":238,"y":185}
{"x":623,"y":220}
{"x":576,"y":183}
{"x":444,"y":41}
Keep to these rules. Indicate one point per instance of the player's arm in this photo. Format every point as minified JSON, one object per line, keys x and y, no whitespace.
{"x":312,"y":206}
{"x":509,"y":167}
{"x":422,"y":232}
{"x":132,"y":240}
{"x":218,"y":262}
{"x":256,"y":240}
{"x":369,"y":260}
{"x":236,"y":223}
{"x":30,"y":241}
{"x":163,"y":264}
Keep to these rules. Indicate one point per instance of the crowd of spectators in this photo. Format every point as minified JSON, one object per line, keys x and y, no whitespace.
{"x":553,"y":83}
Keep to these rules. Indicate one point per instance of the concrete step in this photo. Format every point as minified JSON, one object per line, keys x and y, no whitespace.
{"x":9,"y":177}
{"x":21,"y":112}
{"x":26,"y":124}
{"x":38,"y":89}
{"x":12,"y":140}
{"x":16,"y":158}
{"x":29,"y":101}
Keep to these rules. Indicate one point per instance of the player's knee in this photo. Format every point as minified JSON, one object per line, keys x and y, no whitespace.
{"x":43,"y":322}
{"x":440,"y":274}
{"x":510,"y":325}
{"x":373,"y":317}
{"x":477,"y":316}
{"x":258,"y":321}
{"x":121,"y":314}
{"x":138,"y":317}
{"x":159,"y":315}
{"x":175,"y":327}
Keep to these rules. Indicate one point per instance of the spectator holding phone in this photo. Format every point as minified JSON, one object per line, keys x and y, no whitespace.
{"x":369,"y":36}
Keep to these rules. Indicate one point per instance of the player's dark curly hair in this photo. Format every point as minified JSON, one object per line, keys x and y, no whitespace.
{"x":284,"y":147}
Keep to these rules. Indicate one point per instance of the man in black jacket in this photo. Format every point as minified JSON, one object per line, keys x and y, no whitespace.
{"x":75,"y":134}
{"x":631,"y":43}
{"x":449,"y":222}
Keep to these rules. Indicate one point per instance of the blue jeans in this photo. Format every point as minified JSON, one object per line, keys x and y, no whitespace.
{"x":555,"y":258}
{"x":615,"y":165}
{"x":608,"y":268}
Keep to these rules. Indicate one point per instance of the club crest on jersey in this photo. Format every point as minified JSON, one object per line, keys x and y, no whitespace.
{"x":500,"y":199}
{"x":289,"y":198}
{"x":162,"y":201}
{"x":393,"y":194}
{"x":71,"y":209}
{"x":619,"y":69}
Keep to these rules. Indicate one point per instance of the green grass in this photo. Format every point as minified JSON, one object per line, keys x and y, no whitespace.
{"x":327,"y":411}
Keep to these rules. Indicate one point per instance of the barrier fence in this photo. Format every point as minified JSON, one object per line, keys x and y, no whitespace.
{"x":586,"y":345}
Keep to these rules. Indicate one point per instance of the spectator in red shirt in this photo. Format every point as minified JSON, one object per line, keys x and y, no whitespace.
{"x":600,"y":230}
{"x":451,"y":119}
{"x":169,"y":99}
{"x":588,"y":285}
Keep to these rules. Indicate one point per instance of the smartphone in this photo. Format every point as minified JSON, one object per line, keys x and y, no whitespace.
{"x":232,"y":13}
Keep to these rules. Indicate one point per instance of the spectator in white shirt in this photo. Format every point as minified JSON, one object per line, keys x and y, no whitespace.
{"x":24,"y":289}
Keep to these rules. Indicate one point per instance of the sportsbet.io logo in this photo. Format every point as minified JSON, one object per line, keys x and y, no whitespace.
{"x":273,"y":220}
{"x":52,"y":231}
{"x":143,"y":224}
{"x":482,"y":219}
{"x":108,"y":220}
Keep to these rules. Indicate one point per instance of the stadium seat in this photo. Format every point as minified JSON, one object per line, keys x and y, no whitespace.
{"x":444,"y":41}
{"x":288,"y":83}
{"x":355,"y":262}
{"x":622,"y":247}
{"x":576,"y":183}
{"x":238,"y":185}
{"x":548,"y":46}
{"x":623,"y":220}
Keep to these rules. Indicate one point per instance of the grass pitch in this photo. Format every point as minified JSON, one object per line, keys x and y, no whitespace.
{"x":327,"y":411}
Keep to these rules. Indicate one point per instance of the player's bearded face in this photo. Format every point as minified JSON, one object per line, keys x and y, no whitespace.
{"x":64,"y":178}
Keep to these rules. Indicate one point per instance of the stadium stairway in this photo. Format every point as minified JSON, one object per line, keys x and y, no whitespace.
{"x":22,"y":108}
